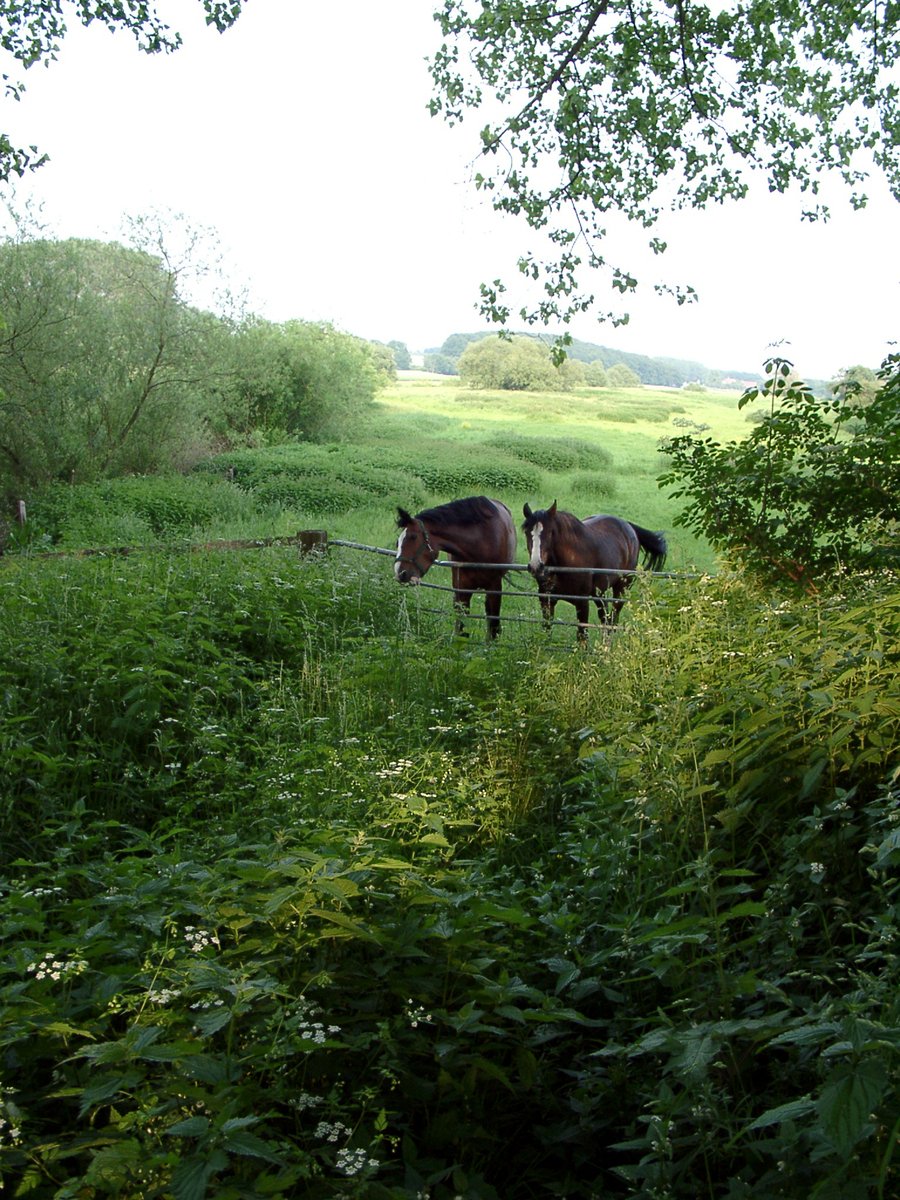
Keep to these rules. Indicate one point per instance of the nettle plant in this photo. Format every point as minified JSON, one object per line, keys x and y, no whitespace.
{"x":814,"y":488}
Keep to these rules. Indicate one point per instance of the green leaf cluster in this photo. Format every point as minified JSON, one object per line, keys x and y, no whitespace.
{"x":813,"y":490}
{"x":298,"y":896}
{"x":610,"y":107}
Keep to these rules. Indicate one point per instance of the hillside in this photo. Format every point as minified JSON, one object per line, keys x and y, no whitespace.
{"x":652,"y":371}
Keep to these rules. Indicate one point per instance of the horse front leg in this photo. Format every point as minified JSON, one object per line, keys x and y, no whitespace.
{"x":548,"y":608}
{"x":492,"y":598}
{"x":583,"y":613}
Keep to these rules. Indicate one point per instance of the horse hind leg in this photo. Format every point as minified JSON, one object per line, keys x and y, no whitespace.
{"x":620,"y":587}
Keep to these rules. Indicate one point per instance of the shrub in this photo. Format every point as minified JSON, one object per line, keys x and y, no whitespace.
{"x":553,"y":454}
{"x":593,"y":485}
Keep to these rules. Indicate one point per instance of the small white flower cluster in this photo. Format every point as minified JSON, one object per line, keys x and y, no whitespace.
{"x":417,"y":1013}
{"x":203,"y":1005}
{"x":395,"y":768}
{"x":56,"y":968}
{"x":817,"y":872}
{"x":199,"y":939}
{"x":354,"y":1162}
{"x":162,"y":995}
{"x":304,"y":1101}
{"x":315,"y":1031}
{"x":331,"y":1131}
{"x":10,"y":1131}
{"x":38,"y":892}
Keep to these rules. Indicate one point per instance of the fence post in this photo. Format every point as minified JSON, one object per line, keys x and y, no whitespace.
{"x":312,"y":540}
{"x":20,"y":512}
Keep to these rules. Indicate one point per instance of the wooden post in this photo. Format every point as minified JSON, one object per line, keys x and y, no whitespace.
{"x":311,"y":541}
{"x":20,"y":512}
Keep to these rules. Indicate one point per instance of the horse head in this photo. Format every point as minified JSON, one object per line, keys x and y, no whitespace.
{"x":538,"y":528}
{"x":415,"y":553}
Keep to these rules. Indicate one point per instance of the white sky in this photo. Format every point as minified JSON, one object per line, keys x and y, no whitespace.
{"x":302,"y":136}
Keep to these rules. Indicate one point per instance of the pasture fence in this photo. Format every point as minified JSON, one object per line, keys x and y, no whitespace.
{"x":511,"y":592}
{"x":313,"y":541}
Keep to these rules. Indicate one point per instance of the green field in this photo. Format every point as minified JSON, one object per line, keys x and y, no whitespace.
{"x":302,"y":895}
{"x":423,"y":442}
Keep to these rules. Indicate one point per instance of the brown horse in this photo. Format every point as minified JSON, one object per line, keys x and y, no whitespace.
{"x":470,"y":531}
{"x":607,"y":544}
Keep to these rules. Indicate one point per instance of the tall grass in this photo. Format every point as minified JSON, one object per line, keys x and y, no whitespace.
{"x":302,"y":895}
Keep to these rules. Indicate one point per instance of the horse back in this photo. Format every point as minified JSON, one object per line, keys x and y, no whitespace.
{"x":616,"y":540}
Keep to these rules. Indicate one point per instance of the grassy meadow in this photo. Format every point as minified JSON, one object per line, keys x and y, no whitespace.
{"x":301,"y":895}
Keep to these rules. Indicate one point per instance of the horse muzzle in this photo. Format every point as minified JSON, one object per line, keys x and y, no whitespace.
{"x":404,"y":575}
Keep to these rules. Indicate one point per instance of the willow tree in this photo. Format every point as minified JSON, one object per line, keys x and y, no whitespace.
{"x":635,"y":107}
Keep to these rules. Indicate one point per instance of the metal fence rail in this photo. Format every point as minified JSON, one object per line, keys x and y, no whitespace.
{"x":508,"y":591}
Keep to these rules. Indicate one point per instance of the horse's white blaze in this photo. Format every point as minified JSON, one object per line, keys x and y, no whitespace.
{"x":397,"y":567}
{"x":535,"y":561}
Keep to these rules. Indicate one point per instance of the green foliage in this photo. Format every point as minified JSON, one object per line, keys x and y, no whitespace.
{"x":620,"y":376}
{"x":590,"y":486}
{"x":814,"y":488}
{"x":515,"y":364}
{"x":300,"y":897}
{"x":400,"y":351}
{"x":553,"y":454}
{"x":858,"y":383}
{"x":67,"y":411}
{"x":134,"y":511}
{"x":300,"y":380}
{"x":440,"y":364}
{"x":607,"y":108}
{"x":595,"y":374}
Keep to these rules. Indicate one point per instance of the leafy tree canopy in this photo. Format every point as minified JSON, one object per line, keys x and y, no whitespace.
{"x":635,"y":106}
{"x":515,"y":364}
{"x":31,"y":32}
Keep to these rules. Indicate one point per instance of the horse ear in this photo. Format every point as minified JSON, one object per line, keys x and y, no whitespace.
{"x":403,"y":518}
{"x":552,"y":509}
{"x":526,"y":510}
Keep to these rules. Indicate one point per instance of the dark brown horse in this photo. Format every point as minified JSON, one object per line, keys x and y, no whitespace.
{"x":608,"y":544}
{"x":471,"y":531}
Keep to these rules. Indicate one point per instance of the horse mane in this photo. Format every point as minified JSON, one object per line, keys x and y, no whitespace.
{"x":473,"y":510}
{"x":566,"y":519}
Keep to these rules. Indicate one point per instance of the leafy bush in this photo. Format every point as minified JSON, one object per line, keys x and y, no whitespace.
{"x":286,"y":916}
{"x":593,"y":484}
{"x":135,"y":510}
{"x":317,"y":496}
{"x":553,"y":454}
{"x":813,"y":489}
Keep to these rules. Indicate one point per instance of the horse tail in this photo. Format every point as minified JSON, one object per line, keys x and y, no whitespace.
{"x":654,"y":547}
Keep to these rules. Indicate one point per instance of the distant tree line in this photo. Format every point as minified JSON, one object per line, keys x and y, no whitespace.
{"x":652,"y":372}
{"x":520,"y":363}
{"x":105,"y":368}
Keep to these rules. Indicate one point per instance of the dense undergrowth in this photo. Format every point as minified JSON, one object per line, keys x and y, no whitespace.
{"x":303,"y":897}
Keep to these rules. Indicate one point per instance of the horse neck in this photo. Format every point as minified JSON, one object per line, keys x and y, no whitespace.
{"x":448,"y":540}
{"x":569,"y":542}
